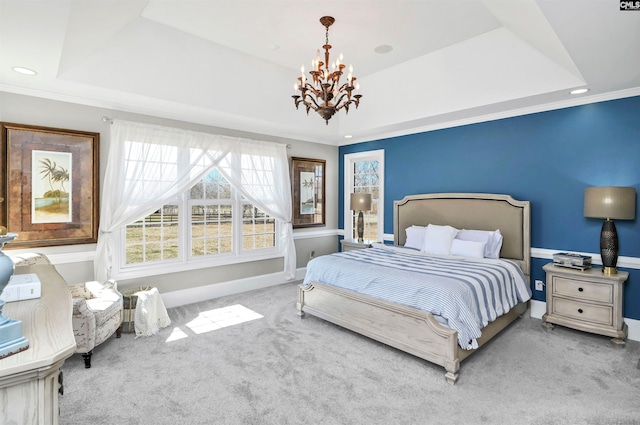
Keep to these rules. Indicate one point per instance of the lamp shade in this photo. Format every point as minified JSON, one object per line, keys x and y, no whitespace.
{"x":360,"y":201}
{"x":614,"y":202}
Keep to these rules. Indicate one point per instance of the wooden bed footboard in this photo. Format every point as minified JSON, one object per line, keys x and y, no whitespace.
{"x":408,"y":329}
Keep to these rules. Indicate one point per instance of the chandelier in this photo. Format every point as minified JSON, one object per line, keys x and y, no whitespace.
{"x":324,"y":92}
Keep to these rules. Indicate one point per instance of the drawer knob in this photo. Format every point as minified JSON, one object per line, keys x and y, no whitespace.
{"x":580,"y":289}
{"x":580,"y":310}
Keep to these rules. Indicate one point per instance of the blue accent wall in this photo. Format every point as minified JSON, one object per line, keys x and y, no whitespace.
{"x":548,"y":158}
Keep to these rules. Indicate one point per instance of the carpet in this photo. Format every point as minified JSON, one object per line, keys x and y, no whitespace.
{"x":249,"y":359}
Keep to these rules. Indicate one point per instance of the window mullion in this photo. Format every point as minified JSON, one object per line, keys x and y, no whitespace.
{"x":237,"y":222}
{"x":184,"y":226}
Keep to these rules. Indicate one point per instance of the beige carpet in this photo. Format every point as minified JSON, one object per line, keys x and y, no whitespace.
{"x":206,"y":368}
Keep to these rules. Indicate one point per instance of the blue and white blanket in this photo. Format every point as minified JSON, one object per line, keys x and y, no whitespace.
{"x":468,"y":293}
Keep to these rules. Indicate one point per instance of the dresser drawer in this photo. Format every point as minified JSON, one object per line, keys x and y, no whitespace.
{"x":600,"y":314}
{"x":589,"y":291}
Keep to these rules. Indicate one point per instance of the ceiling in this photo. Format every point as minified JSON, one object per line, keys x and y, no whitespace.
{"x":233,"y":63}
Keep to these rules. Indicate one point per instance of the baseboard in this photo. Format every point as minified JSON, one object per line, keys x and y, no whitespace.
{"x":539,"y":308}
{"x":217,"y":290}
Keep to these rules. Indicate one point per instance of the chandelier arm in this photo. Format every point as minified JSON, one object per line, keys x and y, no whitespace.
{"x":310,"y":106}
{"x":346,"y":87}
{"x":315,"y":93}
{"x":340,"y":106}
{"x":311,"y":89}
{"x":315,"y":105}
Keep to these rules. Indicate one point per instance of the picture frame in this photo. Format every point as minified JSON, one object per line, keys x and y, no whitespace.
{"x":308,"y":192}
{"x":49,"y":179}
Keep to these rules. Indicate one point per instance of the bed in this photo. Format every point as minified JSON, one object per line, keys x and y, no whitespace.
{"x":413,"y":330}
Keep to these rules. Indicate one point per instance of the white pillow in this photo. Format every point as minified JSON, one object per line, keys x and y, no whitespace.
{"x":415,"y":237}
{"x":438,"y":239}
{"x":468,"y":248}
{"x":492,"y":240}
{"x":497,"y":244}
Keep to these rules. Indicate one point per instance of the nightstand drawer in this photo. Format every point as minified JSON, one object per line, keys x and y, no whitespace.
{"x":351,"y":244}
{"x":599,"y":314}
{"x":589,"y":291}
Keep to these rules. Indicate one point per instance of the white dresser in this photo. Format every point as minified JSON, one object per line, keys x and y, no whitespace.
{"x":587,"y":300}
{"x":29,"y":380}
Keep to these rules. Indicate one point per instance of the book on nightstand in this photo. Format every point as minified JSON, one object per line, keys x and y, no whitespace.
{"x":22,"y":287}
{"x":572,"y":261}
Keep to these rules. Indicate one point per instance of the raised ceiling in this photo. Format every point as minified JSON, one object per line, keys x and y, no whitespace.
{"x":233,"y":63}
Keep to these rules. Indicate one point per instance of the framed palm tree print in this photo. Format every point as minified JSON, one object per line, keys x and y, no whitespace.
{"x":49,"y":179}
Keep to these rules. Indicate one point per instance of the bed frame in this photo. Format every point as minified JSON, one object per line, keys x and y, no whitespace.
{"x":412,"y":330}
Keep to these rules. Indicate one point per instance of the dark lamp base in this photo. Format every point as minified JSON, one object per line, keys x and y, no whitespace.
{"x":360,"y":227}
{"x":609,"y":247}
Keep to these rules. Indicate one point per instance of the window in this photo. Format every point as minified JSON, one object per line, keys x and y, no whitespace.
{"x":212,"y":228}
{"x":364,"y":173}
{"x":180,"y":200}
{"x":155,"y":238}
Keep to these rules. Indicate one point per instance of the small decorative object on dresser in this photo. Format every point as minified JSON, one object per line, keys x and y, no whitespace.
{"x":12,"y":340}
{"x":351,"y":244}
{"x":586,"y":300}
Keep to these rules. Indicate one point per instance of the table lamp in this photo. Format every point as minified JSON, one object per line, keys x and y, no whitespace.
{"x":360,"y":202}
{"x":609,"y":202}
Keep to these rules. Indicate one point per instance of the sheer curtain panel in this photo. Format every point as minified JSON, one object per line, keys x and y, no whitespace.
{"x":260,"y":171}
{"x":150,"y":165}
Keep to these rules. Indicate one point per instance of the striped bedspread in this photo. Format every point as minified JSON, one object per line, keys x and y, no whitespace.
{"x":468,"y":292}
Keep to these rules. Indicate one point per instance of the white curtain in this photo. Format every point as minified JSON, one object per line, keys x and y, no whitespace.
{"x":149,"y":166}
{"x":260,"y":171}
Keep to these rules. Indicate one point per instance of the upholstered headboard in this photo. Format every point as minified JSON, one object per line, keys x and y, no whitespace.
{"x":479,"y":211}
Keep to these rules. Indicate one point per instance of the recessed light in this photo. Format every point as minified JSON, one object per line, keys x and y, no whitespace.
{"x":348,"y":136}
{"x":578,"y":91}
{"x":383,"y":48}
{"x":24,"y":71}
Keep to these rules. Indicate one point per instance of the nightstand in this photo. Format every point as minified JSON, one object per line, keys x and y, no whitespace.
{"x":586,"y":300}
{"x":351,"y":244}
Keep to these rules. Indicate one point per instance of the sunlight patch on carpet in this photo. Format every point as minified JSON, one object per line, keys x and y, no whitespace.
{"x":176,"y":334}
{"x":221,"y":318}
{"x":218,"y":318}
